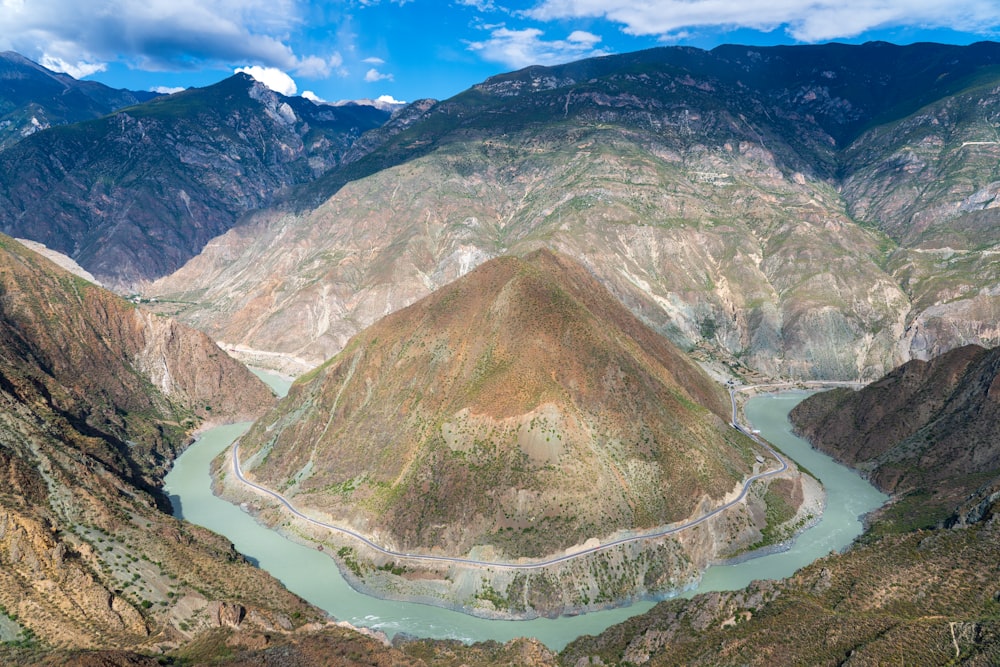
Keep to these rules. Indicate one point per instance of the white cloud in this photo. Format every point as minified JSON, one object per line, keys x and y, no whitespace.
{"x":271,"y":77}
{"x":168,"y":90}
{"x":373,"y":75}
{"x":813,"y":21}
{"x":76,"y":70}
{"x":388,"y":99}
{"x":314,"y":66}
{"x":583,"y":37}
{"x":313,"y":97}
{"x":520,"y":48}
{"x":481,"y":5}
{"x":169,"y":35}
{"x":373,"y":61}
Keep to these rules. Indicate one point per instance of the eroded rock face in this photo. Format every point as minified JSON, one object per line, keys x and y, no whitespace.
{"x":48,"y":580}
{"x":228,"y":614}
{"x":736,"y":201}
{"x":96,"y":398}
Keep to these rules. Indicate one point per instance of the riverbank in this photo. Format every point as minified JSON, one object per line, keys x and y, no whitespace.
{"x":595,"y":575}
{"x":313,"y":575}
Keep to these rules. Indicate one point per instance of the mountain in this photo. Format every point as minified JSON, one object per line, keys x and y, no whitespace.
{"x":519,"y":411}
{"x":741,"y":201}
{"x":920,"y":598}
{"x":133,"y":195}
{"x":105,"y":364}
{"x":34,"y":98}
{"x":928,"y":432}
{"x":97,"y":398}
{"x":919,"y":587}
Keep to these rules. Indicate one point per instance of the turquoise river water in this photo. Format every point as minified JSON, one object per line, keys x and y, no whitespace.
{"x":314,"y":576}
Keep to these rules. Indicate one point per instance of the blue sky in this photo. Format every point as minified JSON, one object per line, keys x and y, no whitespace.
{"x":408,"y":49}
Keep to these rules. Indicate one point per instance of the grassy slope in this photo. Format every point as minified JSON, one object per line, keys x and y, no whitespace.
{"x":522,"y":377}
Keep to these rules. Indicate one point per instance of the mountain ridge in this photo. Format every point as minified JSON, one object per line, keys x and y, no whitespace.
{"x":41,"y":98}
{"x":132,"y":195}
{"x":724,"y":216}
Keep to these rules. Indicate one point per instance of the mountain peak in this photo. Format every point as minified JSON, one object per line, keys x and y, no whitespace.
{"x":524,"y":378}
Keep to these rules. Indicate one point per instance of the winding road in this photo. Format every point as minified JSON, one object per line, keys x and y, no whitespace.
{"x":544,"y":563}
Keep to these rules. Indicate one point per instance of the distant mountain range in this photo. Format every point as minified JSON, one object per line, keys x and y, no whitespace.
{"x":131,"y":196}
{"x":814,"y":212}
{"x":33,"y":98}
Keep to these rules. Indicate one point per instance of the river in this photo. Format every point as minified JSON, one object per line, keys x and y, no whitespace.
{"x":314,"y":576}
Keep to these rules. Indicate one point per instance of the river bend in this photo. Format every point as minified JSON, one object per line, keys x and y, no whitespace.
{"x":314,"y":576}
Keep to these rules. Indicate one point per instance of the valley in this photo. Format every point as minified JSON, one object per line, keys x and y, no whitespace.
{"x":512,"y":318}
{"x":487,"y":432}
{"x":315,"y":575}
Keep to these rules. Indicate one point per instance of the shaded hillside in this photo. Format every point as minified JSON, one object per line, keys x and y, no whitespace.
{"x":928,"y":432}
{"x":34,"y":98}
{"x":927,"y":598}
{"x":740,"y":201}
{"x":133,"y":195}
{"x":97,"y":397}
{"x":520,"y":407}
{"x":137,"y":380}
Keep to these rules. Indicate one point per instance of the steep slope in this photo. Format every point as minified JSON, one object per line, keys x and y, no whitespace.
{"x":140,"y":377}
{"x":520,"y":412}
{"x":928,"y":432}
{"x":34,"y":98}
{"x":930,"y":182}
{"x":133,"y":195}
{"x":702,"y":188}
{"x":924,"y":598}
{"x":520,"y":406}
{"x":97,"y":397}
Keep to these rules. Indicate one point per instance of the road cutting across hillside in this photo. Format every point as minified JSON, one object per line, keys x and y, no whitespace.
{"x":534,"y":565}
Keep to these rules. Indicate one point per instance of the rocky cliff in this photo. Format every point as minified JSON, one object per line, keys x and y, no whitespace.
{"x":97,"y":397}
{"x":928,"y":432}
{"x":748,"y":202}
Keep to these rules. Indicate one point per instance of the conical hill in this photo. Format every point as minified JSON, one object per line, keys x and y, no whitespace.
{"x":520,"y":406}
